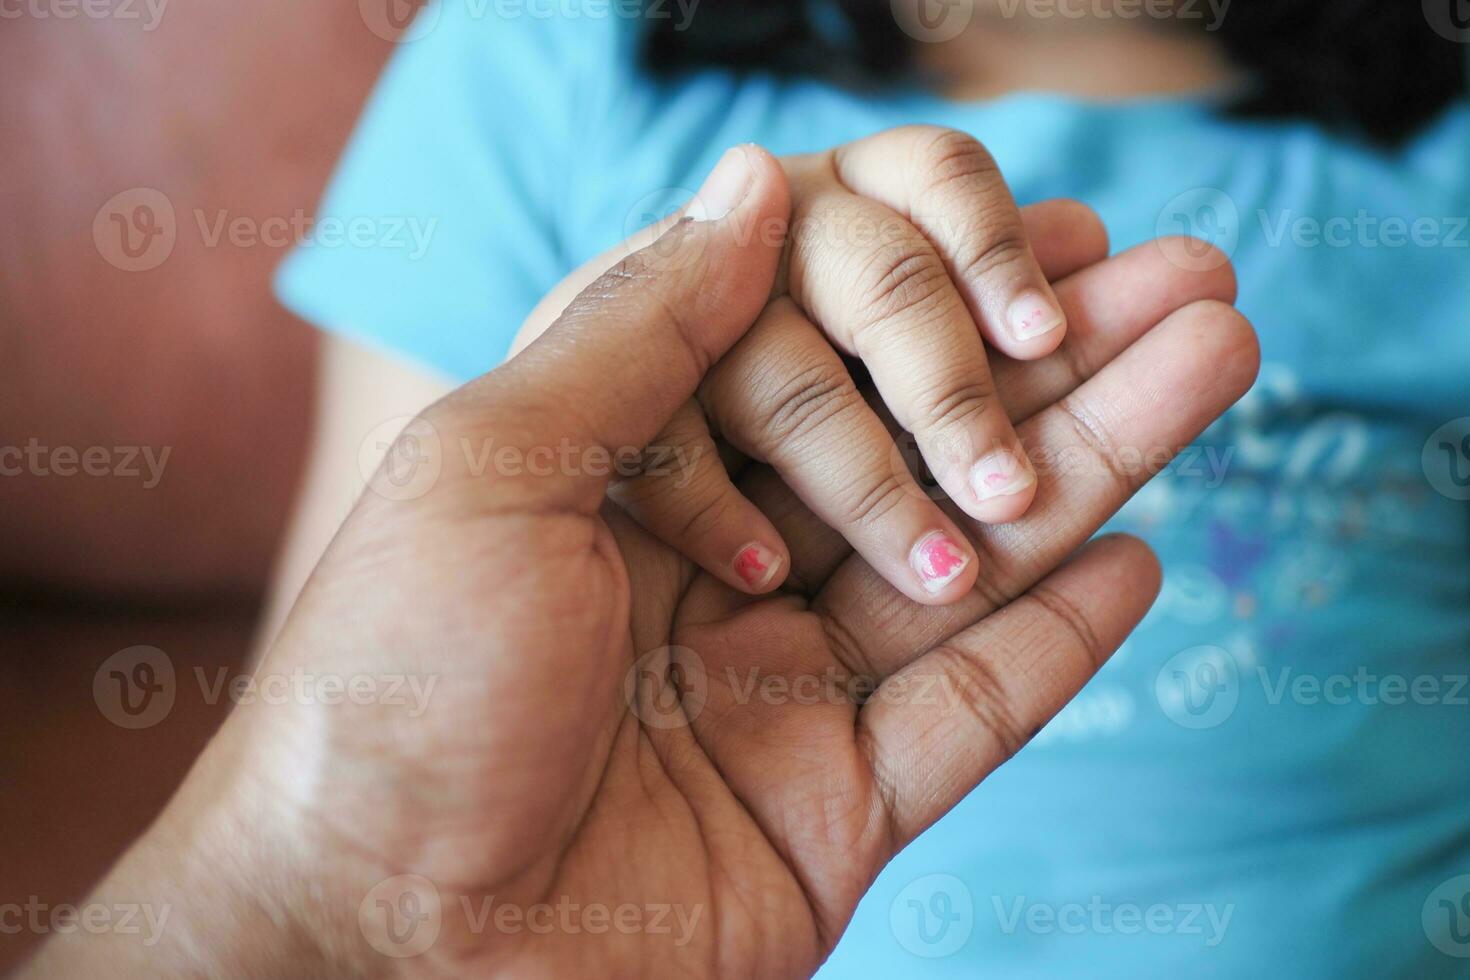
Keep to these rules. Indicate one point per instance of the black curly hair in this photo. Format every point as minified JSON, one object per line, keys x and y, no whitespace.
{"x":1378,"y":68}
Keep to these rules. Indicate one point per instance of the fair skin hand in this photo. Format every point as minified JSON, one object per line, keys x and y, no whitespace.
{"x":1097,"y":55}
{"x":584,"y":746}
{"x":909,"y":255}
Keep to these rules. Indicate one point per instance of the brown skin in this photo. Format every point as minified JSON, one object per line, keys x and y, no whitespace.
{"x":532,"y":777}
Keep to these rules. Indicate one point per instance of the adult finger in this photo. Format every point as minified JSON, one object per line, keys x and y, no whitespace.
{"x":1101,"y":444}
{"x":632,"y":347}
{"x":998,"y":682}
{"x":1109,"y":306}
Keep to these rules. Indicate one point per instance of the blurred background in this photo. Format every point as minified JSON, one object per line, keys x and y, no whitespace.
{"x":156,"y":163}
{"x":163,"y":410}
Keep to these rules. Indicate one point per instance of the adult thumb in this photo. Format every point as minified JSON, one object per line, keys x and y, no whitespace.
{"x":606,"y":377}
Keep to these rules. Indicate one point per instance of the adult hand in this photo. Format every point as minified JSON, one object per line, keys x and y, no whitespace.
{"x":624,"y":766}
{"x":906,"y":249}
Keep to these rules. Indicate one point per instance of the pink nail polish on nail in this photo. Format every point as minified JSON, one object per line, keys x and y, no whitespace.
{"x":1033,"y":315}
{"x":757,"y":565}
{"x":1000,"y":474}
{"x":939,"y":561}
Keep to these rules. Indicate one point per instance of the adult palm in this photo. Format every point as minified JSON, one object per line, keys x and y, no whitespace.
{"x":624,"y":767}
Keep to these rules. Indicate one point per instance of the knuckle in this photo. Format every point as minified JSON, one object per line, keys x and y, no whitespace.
{"x":642,"y":475}
{"x":998,"y":588}
{"x":1077,"y":633}
{"x":846,"y":647}
{"x":1091,"y":434}
{"x":972,"y":202}
{"x":806,"y":402}
{"x":982,"y":697}
{"x":902,"y":279}
{"x":712,"y":506}
{"x":959,"y":407}
{"x":870,"y":507}
{"x":999,"y":245}
{"x":667,"y":283}
{"x":949,"y":156}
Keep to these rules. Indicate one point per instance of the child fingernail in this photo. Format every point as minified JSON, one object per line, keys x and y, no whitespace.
{"x":757,"y":565}
{"x":724,"y":188}
{"x":1001,"y":474}
{"x":1033,"y":315}
{"x":939,"y":560}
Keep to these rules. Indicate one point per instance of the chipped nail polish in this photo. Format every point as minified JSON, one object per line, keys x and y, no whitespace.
{"x":1033,"y":315}
{"x":1001,"y":474}
{"x":938,"y":560}
{"x":757,"y":565}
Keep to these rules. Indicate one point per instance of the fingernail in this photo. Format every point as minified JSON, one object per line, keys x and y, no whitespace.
{"x":938,"y":560}
{"x":757,"y":565}
{"x":1001,"y":474}
{"x":724,"y":188}
{"x":1033,"y":315}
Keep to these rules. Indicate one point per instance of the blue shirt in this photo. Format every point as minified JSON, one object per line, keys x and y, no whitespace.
{"x":1272,"y":778}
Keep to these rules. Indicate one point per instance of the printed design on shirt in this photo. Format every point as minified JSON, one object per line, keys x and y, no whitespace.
{"x":1251,"y":548}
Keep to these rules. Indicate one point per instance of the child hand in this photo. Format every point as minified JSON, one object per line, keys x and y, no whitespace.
{"x":906,"y":251}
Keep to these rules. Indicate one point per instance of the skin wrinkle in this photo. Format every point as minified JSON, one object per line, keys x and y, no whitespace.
{"x":809,"y":779}
{"x":710,"y":758}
